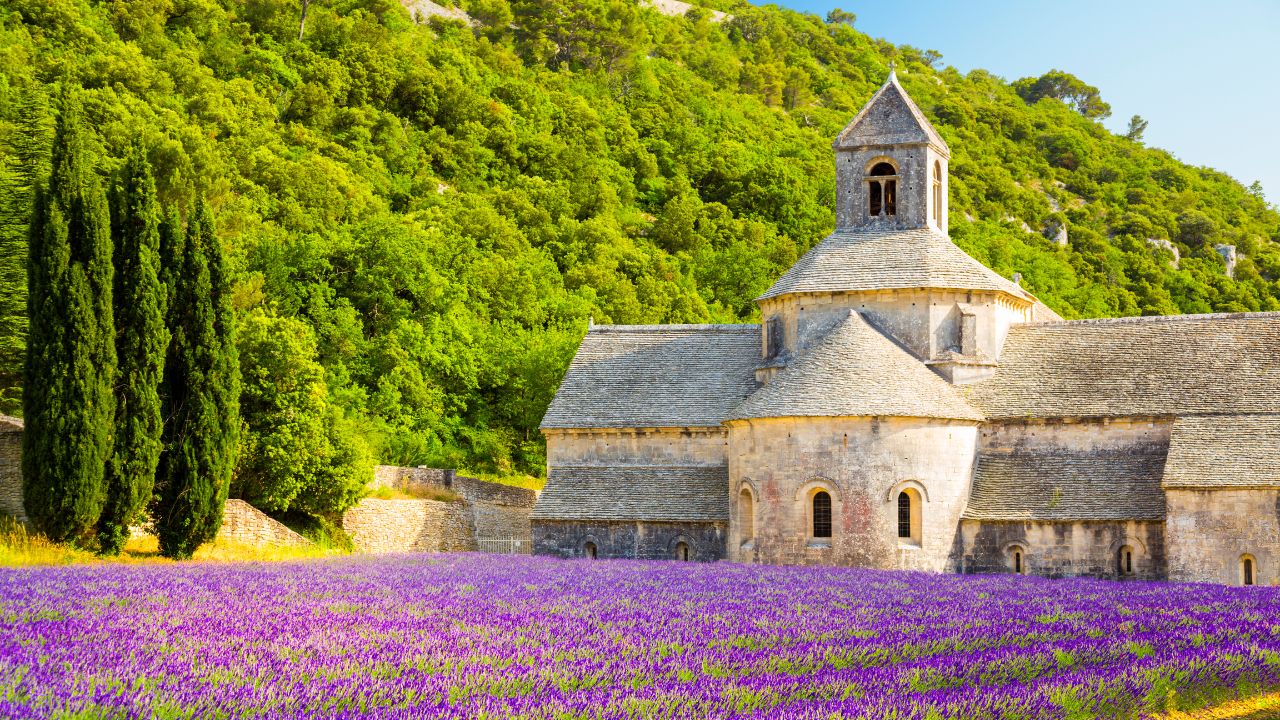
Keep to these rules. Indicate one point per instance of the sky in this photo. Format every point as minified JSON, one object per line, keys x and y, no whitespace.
{"x":1206,"y":75}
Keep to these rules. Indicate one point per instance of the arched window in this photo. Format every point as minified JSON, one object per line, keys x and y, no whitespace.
{"x":746,"y":516}
{"x":682,"y":551}
{"x":821,"y":515}
{"x":1248,"y":570}
{"x":1124,"y":561}
{"x":882,"y":190}
{"x":589,"y":550}
{"x":937,"y":193}
{"x":1018,"y":559}
{"x":909,"y":517}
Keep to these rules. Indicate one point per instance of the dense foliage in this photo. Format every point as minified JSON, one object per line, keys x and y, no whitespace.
{"x":509,"y":636}
{"x":69,"y":404}
{"x":142,"y":341}
{"x":201,"y":392}
{"x":444,"y":206}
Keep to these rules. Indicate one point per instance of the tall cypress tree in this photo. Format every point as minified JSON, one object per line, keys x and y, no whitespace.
{"x":70,"y":363}
{"x":26,"y":155}
{"x":141,"y":343}
{"x":202,"y":386}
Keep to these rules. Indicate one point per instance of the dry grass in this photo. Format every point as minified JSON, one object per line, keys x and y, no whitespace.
{"x":439,"y":494}
{"x":1263,"y":707}
{"x":19,"y":547}
{"x":529,"y":482}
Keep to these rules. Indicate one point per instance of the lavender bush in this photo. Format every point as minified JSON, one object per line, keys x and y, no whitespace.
{"x":472,"y":636}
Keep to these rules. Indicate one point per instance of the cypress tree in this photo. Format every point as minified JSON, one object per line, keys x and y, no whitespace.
{"x":27,"y":163}
{"x":70,"y":363}
{"x":202,"y":389}
{"x":141,"y":343}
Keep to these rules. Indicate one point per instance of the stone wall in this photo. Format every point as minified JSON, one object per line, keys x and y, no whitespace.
{"x":863,"y":463}
{"x":388,"y":526}
{"x":411,"y":480}
{"x":926,"y":322}
{"x":630,"y":540}
{"x":1061,"y":549}
{"x":1209,"y":531}
{"x":243,"y":523}
{"x":11,"y":467}
{"x":496,"y":511}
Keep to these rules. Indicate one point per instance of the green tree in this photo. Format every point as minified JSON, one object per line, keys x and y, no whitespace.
{"x":1081,"y":97}
{"x":836,"y":16}
{"x":141,"y":343}
{"x":26,"y":162}
{"x":68,"y":401}
{"x":1137,"y":126}
{"x":202,"y":392}
{"x":297,"y":452}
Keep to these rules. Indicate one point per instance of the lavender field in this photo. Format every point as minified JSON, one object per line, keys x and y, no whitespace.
{"x":502,"y":636}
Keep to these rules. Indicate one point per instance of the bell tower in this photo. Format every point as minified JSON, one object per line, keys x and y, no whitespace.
{"x":891,"y":166}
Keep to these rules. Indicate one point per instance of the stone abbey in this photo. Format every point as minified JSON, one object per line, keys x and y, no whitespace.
{"x":901,"y":406}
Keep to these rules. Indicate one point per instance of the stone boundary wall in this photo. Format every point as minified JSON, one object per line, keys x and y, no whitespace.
{"x":243,"y":523}
{"x":11,"y":467}
{"x":419,"y":479}
{"x":485,"y":511}
{"x":389,"y":526}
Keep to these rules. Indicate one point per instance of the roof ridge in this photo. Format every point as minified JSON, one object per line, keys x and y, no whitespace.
{"x":1145,"y":319}
{"x":704,"y":327}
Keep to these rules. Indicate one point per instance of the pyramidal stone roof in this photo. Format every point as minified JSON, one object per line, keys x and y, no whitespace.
{"x":855,"y":371}
{"x":656,"y":376}
{"x":1151,"y":366}
{"x":890,"y":117}
{"x":879,"y":258}
{"x":670,"y":493}
{"x":1224,"y":451}
{"x":1068,"y":485}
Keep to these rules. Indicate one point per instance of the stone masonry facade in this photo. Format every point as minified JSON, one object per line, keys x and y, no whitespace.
{"x":900,"y":405}
{"x":11,"y":467}
{"x":245,"y":524}
{"x":484,"y":511}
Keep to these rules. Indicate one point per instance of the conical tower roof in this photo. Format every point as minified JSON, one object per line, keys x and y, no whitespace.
{"x":890,"y":117}
{"x":855,"y":371}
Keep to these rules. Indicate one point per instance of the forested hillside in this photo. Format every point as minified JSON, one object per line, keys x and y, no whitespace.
{"x":420,"y":218}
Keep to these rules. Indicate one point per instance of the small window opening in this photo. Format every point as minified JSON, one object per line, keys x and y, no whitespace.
{"x":821,"y":515}
{"x":875,"y":199}
{"x":1124,"y":561}
{"x":1017,"y":558}
{"x":937,"y":193}
{"x":682,"y":551}
{"x":1248,"y":571}
{"x":774,"y":332}
{"x":746,"y":515}
{"x":904,"y":515}
{"x":883,"y":169}
{"x":909,"y":517}
{"x":589,"y":550}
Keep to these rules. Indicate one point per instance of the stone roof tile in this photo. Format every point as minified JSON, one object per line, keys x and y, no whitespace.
{"x":888,"y":258}
{"x":855,"y":370}
{"x":656,"y":376}
{"x":890,"y":117}
{"x":669,"y":493}
{"x":1119,"y":484}
{"x":1224,"y":451}
{"x":9,"y":424}
{"x":1175,"y":365}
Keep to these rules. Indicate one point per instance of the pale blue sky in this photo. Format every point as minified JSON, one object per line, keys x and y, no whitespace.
{"x":1206,"y":75}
